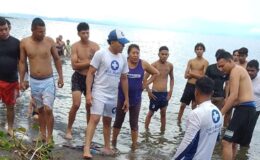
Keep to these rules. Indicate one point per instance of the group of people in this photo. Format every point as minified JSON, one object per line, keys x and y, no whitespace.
{"x":62,"y":48}
{"x":113,"y":85}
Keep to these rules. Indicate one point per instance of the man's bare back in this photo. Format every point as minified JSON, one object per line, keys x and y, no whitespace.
{"x":196,"y":68}
{"x":39,"y":54}
{"x":160,"y":82}
{"x":82,"y":54}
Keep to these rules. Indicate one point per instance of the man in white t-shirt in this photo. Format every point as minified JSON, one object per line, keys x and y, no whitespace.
{"x":203,"y":125}
{"x":252,"y":69}
{"x":109,"y":67}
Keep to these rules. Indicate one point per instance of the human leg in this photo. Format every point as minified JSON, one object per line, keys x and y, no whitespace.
{"x":76,"y":100}
{"x":163,"y":118}
{"x":227,"y":152}
{"x":10,"y":119}
{"x":148,"y":119}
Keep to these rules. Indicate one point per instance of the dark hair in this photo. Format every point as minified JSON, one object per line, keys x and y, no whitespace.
{"x":225,"y":55}
{"x":82,"y":26}
{"x":37,"y":22}
{"x":235,"y":51}
{"x":253,"y":64}
{"x":2,"y":21}
{"x":218,"y":52}
{"x":243,"y":51}
{"x":200,"y":45}
{"x":205,"y":85}
{"x":132,"y":46}
{"x":163,"y":48}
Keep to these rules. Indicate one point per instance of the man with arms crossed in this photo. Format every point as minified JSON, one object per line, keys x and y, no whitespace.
{"x":9,"y":58}
{"x":40,"y":50}
{"x":159,"y":96}
{"x":109,"y":67}
{"x":203,"y":125}
{"x":240,"y":128}
{"x":196,"y":68}
{"x":82,"y":53}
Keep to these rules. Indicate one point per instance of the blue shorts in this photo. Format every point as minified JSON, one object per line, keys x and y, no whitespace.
{"x":43,"y":92}
{"x":160,"y":102}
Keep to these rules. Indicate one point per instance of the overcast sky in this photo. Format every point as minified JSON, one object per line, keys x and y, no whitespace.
{"x":151,"y":12}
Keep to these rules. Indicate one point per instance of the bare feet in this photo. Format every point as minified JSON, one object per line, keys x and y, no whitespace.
{"x":114,"y":143}
{"x":10,"y":132}
{"x":134,"y":146}
{"x":68,"y":135}
{"x":86,"y":154}
{"x":107,"y":152}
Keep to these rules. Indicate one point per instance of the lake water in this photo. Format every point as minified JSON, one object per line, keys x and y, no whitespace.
{"x":153,"y":145}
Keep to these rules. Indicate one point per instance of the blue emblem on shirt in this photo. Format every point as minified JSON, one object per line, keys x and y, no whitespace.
{"x":215,"y":116}
{"x":114,"y":65}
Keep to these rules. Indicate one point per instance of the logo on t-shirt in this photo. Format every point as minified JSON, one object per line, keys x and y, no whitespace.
{"x":215,"y":116}
{"x":114,"y":65}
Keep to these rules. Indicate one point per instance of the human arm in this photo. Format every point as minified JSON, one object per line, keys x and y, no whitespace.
{"x":76,"y":63}
{"x":124,"y":85}
{"x":57,"y":63}
{"x":89,"y":82}
{"x":233,"y":87}
{"x":23,"y":67}
{"x":171,"y":75}
{"x":190,"y":138}
{"x":149,"y":70}
{"x":197,"y":75}
{"x":187,"y":74}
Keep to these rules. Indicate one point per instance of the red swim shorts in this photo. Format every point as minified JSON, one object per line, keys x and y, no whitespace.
{"x":9,"y":92}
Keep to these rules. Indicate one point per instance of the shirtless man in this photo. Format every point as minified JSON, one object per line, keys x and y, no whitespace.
{"x":9,"y":58}
{"x":242,"y":53}
{"x":159,"y":96}
{"x":40,"y":50}
{"x":196,"y":69}
{"x":82,"y":53}
{"x":241,"y":126}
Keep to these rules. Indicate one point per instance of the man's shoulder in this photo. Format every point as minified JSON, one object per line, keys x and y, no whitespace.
{"x":14,"y":39}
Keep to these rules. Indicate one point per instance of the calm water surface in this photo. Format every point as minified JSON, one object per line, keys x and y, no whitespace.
{"x":153,"y":144}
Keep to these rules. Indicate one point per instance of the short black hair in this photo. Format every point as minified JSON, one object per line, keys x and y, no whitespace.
{"x":132,"y":46}
{"x":205,"y":85}
{"x":82,"y":26}
{"x":2,"y":21}
{"x":236,"y":50}
{"x":163,"y":48}
{"x":243,"y":51}
{"x":253,"y":64}
{"x":37,"y":22}
{"x":200,"y":45}
{"x":218,"y":52}
{"x":225,"y":55}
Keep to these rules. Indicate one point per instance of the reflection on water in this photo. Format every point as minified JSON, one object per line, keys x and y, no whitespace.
{"x":153,"y":144}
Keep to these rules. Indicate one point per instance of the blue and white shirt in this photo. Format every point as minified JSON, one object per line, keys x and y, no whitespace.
{"x":203,"y":128}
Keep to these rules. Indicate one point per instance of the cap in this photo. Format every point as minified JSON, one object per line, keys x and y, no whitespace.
{"x":117,"y":35}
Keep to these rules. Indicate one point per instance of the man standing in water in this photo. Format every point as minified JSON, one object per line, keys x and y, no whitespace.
{"x":203,"y":125}
{"x":9,"y":58}
{"x":82,"y":53}
{"x":196,"y":69}
{"x":159,"y":96}
{"x":40,"y":50}
{"x":109,"y":67}
{"x":241,"y":126}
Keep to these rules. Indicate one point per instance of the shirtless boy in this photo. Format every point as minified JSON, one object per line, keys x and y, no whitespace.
{"x":40,"y":50}
{"x":159,"y":96}
{"x":196,"y":69}
{"x":82,"y":53}
{"x":241,"y":126}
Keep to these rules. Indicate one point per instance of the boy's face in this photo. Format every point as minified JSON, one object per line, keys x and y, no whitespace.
{"x":84,"y":35}
{"x":242,"y":58}
{"x":199,"y":51}
{"x":163,"y":55}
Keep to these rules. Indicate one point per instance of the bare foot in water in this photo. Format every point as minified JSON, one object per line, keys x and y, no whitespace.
{"x":107,"y":152}
{"x":10,"y":132}
{"x":68,"y":135}
{"x":86,"y":154}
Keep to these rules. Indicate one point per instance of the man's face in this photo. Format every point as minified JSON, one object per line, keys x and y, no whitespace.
{"x":117,"y":46}
{"x":252,"y":71}
{"x":163,"y":55}
{"x":224,"y":65}
{"x":84,"y":35}
{"x":4,"y":32}
{"x":199,"y":51}
{"x":236,"y":56}
{"x":242,"y":58}
{"x":39,"y":32}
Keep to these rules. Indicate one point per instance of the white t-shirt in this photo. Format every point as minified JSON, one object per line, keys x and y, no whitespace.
{"x":109,"y":69}
{"x":203,"y":127}
{"x":256,"y":88}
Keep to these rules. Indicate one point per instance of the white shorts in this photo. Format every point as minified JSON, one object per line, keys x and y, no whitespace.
{"x":104,"y":109}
